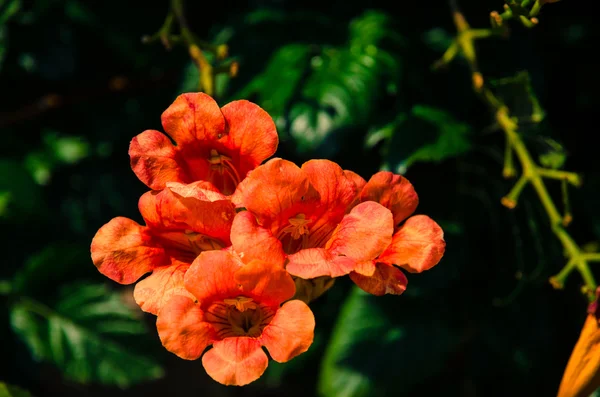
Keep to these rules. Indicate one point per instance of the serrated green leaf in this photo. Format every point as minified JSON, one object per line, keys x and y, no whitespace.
{"x":379,"y":343}
{"x":276,"y":86}
{"x":84,"y":333}
{"x":426,"y":135}
{"x":315,"y":93}
{"x":8,"y":390}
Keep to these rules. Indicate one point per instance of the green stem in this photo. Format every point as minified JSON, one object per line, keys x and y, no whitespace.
{"x":530,"y":171}
{"x":570,"y":177}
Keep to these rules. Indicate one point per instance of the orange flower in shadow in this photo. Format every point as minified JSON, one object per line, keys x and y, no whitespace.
{"x":217,"y":145}
{"x":237,"y":308}
{"x":306,"y":208}
{"x":181,"y":221}
{"x":582,"y":375}
{"x":417,"y":243}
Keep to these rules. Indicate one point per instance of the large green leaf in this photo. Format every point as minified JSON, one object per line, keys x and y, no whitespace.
{"x":380,"y":343}
{"x":426,"y":134}
{"x":87,"y":333}
{"x":7,"y":390}
{"x":316,"y":92}
{"x":276,"y":86}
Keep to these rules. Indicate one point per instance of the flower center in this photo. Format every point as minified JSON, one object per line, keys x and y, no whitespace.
{"x":239,"y":316}
{"x":200,"y":243}
{"x":297,"y":228}
{"x":223,"y":166}
{"x":295,"y":235}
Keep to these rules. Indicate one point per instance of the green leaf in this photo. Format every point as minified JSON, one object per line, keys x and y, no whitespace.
{"x":425,"y":135}
{"x":276,"y":86}
{"x":87,"y":333}
{"x":379,"y":343}
{"x":553,"y":154}
{"x":372,"y":29}
{"x":316,"y":93}
{"x":7,"y":390}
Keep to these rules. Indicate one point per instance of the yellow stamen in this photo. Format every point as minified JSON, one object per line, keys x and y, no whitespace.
{"x":241,"y":303}
{"x":298,"y":226}
{"x":223,"y":165}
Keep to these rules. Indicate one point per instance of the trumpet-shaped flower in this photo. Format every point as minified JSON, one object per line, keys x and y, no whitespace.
{"x":181,"y":221}
{"x":307,"y":210}
{"x":582,"y":374}
{"x":237,"y":308}
{"x":417,"y":243}
{"x":218,"y":145}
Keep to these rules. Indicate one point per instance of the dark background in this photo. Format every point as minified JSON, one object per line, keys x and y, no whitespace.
{"x":77,"y":85}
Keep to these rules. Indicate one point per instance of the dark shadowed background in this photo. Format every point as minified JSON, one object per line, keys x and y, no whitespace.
{"x":343,"y":82}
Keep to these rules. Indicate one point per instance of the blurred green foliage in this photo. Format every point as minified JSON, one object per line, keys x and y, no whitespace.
{"x":342,"y":81}
{"x":7,"y":390}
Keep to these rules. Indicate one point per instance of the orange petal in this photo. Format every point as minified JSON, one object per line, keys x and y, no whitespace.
{"x":182,"y":329}
{"x":582,"y":375}
{"x":361,"y":236}
{"x":270,"y":283}
{"x":155,"y":160}
{"x":193,"y":117}
{"x":360,"y":183}
{"x":252,"y":131}
{"x":364,"y":233}
{"x":358,"y":180}
{"x":251,"y":241}
{"x":276,"y":191}
{"x":417,"y":246}
{"x":386,"y":279}
{"x":366,"y":268}
{"x":392,"y":191}
{"x":212,"y":276}
{"x":290,"y":332}
{"x":189,"y":207}
{"x":124,"y":251}
{"x":155,"y":290}
{"x":335,"y":189}
{"x":336,"y":192}
{"x":316,"y":262}
{"x":235,"y":361}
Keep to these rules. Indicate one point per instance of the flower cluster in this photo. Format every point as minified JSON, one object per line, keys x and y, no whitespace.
{"x":237,"y":248}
